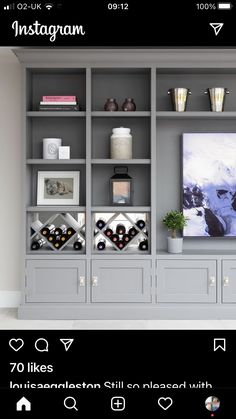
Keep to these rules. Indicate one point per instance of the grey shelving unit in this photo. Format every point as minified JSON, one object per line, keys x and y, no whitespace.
{"x":63,"y":284}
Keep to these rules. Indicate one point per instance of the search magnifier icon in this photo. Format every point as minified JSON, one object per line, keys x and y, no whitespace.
{"x":70,"y":403}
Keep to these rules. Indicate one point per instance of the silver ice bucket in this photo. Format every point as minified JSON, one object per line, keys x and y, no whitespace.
{"x":217,"y":98}
{"x":179,"y":97}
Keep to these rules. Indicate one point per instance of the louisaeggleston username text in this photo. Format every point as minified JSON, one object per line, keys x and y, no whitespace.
{"x":111,"y":385}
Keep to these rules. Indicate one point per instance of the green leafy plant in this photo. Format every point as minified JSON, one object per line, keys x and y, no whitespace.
{"x":175,"y":221}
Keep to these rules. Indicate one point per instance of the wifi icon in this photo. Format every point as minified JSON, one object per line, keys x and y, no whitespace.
{"x":49,"y":6}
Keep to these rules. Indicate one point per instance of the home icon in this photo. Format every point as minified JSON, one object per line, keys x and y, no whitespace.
{"x":23,"y":404}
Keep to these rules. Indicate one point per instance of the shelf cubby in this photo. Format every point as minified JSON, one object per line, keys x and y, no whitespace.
{"x":141,"y":184}
{"x":128,"y":220}
{"x":197,"y":82}
{"x":140,"y":131}
{"x":32,"y":178}
{"x":120,"y":83}
{"x":57,"y":219}
{"x":72,"y":131}
{"x":58,"y":81}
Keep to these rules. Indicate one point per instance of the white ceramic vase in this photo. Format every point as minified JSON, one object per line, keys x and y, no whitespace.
{"x":175,"y":245}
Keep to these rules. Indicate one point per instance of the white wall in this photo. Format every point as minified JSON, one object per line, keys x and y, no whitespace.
{"x":10,"y":178}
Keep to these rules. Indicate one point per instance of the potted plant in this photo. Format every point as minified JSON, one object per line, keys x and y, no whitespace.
{"x":175,"y":221}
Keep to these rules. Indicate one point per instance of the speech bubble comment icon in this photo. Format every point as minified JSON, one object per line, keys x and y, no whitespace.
{"x":41,"y":345}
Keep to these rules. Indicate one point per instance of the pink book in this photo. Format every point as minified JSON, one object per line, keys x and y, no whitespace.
{"x":59,"y":98}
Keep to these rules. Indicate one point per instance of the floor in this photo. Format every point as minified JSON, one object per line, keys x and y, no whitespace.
{"x":8,"y":320}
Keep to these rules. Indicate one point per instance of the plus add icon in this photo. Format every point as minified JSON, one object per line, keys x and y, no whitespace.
{"x":118,"y":403}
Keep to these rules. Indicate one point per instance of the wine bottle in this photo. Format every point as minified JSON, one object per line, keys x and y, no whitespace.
{"x":64,"y":238}
{"x":51,"y":237}
{"x":70,"y":231}
{"x":120,"y":244}
{"x":114,"y":238}
{"x":36,"y":225}
{"x":140,"y":224}
{"x":143,"y":245}
{"x":120,"y":229}
{"x":101,"y":245}
{"x":48,"y":229}
{"x":36,"y":244}
{"x":132,"y":231}
{"x":108,"y":232}
{"x":100,"y":223}
{"x":57,"y":242}
{"x":126,"y":238}
{"x":78,"y":245}
{"x":60,"y":230}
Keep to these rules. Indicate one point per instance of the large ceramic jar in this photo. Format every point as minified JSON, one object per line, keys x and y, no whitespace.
{"x":121,"y":143}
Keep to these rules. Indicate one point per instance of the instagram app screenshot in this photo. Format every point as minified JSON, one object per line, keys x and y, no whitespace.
{"x":118,"y":209}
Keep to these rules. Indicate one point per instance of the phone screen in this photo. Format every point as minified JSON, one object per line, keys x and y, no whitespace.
{"x":118,"y":209}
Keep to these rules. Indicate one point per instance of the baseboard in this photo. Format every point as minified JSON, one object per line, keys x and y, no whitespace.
{"x":10,"y":298}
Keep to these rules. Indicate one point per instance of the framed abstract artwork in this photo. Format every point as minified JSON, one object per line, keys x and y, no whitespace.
{"x":209,"y":184}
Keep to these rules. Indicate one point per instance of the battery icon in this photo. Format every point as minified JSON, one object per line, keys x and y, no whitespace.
{"x":224,"y":6}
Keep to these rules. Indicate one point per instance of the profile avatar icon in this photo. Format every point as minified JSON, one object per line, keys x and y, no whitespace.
{"x":212,"y":403}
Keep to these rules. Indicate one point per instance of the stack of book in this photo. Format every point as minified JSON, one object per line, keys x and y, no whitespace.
{"x":59,"y":103}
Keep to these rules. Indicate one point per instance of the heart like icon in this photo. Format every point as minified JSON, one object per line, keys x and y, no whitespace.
{"x":165,"y":402}
{"x":16,"y":344}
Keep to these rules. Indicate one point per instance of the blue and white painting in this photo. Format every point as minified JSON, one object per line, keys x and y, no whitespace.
{"x":209,"y":184}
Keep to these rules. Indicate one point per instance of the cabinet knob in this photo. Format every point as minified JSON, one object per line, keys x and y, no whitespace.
{"x":226,"y":281}
{"x":212,"y":281}
{"x":82,"y":281}
{"x":95,"y":281}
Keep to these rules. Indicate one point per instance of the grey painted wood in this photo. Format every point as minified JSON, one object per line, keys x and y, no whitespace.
{"x":229,"y":281}
{"x":56,"y":162}
{"x":186,"y":281}
{"x":55,"y":281}
{"x":121,"y":162}
{"x":115,"y":282}
{"x":95,"y":75}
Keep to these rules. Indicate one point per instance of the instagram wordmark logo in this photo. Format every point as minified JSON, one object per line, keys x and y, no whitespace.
{"x":44,"y":30}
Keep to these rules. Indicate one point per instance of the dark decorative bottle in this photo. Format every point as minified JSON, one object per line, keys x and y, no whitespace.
{"x":78,"y":245}
{"x":129,"y":105}
{"x":111,"y":105}
{"x":101,"y":245}
{"x":132,"y":232}
{"x":143,"y":245}
{"x":114,"y":238}
{"x":37,"y":244}
{"x":60,"y":230}
{"x":140,"y":224}
{"x":100,"y":223}
{"x":48,"y":229}
{"x":108,"y":232}
{"x":120,"y":229}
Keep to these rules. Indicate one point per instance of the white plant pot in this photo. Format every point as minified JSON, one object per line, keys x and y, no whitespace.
{"x":175,"y":245}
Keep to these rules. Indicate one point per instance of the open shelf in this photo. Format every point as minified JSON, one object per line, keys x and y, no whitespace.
{"x":50,"y":161}
{"x":120,"y":209}
{"x":196,"y":115}
{"x":55,"y":208}
{"x":120,"y":83}
{"x":47,"y":114}
{"x":120,"y":161}
{"x":121,"y":114}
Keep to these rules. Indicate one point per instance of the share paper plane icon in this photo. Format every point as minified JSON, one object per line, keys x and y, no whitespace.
{"x":217,"y":27}
{"x":67,"y":343}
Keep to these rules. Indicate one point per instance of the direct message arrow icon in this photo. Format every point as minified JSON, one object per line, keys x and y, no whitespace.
{"x":67,"y":343}
{"x":217,"y":27}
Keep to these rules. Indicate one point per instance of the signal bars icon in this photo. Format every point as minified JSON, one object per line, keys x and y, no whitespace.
{"x":9,"y":7}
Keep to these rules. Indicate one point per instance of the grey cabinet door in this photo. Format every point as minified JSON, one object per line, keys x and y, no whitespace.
{"x":55,"y":281}
{"x":229,"y":281}
{"x":121,"y":281}
{"x":186,"y":281}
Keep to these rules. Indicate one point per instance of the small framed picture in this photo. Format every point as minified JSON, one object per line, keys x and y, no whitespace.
{"x":58,"y":188}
